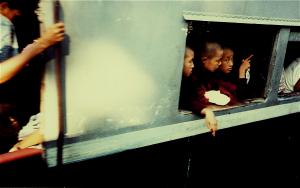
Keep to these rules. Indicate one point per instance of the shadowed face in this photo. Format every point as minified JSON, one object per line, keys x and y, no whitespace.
{"x":8,"y":12}
{"x":213,"y":63}
{"x":227,"y":61}
{"x":188,"y":63}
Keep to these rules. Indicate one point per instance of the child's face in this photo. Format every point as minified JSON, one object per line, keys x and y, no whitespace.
{"x":227,"y":61}
{"x":213,"y":63}
{"x":188,"y":63}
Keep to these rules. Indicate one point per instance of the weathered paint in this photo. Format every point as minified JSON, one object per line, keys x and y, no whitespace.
{"x":123,"y":63}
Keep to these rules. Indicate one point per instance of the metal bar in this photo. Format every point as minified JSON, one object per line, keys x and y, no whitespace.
{"x":276,"y":65}
{"x":59,"y":80}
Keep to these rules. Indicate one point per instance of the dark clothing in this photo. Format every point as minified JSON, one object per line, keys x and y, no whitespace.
{"x":193,"y":89}
{"x":208,"y":81}
{"x":186,"y":90}
{"x":19,"y":96}
{"x":9,"y":127}
{"x":237,"y":87}
{"x":242,"y":91}
{"x":8,"y":49}
{"x":23,"y":90}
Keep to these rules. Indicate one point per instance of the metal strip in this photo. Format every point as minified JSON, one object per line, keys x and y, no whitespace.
{"x":113,"y":144}
{"x":276,"y":65}
{"x":59,"y":80}
{"x":231,"y":18}
{"x":294,"y":37}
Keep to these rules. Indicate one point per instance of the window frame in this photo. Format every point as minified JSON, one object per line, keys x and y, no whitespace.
{"x":276,"y":63}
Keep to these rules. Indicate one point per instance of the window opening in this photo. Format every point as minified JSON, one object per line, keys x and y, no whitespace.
{"x":244,"y":42}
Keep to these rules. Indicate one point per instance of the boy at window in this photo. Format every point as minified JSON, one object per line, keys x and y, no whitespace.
{"x":187,"y":90}
{"x":186,"y":82}
{"x":237,"y":88}
{"x":207,"y":95}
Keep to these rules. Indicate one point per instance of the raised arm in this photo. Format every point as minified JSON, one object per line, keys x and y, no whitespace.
{"x":242,"y":87}
{"x":244,"y":67}
{"x":13,"y":65}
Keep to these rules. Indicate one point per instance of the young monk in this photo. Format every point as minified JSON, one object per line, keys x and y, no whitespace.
{"x":207,"y":95}
{"x":186,"y":82}
{"x":187,"y":90}
{"x":237,"y":88}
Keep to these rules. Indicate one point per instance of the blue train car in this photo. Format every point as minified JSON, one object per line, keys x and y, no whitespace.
{"x":111,"y":92}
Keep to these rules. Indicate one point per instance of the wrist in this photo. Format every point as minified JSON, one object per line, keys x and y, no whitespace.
{"x":206,"y":111}
{"x":35,"y":48}
{"x":242,"y":74}
{"x":41,"y":43}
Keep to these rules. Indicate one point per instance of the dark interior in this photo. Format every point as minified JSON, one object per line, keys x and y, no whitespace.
{"x":244,"y":39}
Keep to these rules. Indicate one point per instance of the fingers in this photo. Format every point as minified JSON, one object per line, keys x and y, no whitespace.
{"x":55,"y":33}
{"x":248,"y":58}
{"x":59,"y":28}
{"x":210,"y":121}
{"x":213,"y":127}
{"x":60,"y":24}
{"x":246,"y":63}
{"x":213,"y":132}
{"x":60,"y":32}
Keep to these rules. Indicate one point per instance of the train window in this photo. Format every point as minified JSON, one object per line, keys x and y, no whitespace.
{"x":289,"y":83}
{"x":242,"y":42}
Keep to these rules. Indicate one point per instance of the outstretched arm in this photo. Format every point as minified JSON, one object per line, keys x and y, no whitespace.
{"x":210,"y":120}
{"x":244,"y":67}
{"x":12,"y":66}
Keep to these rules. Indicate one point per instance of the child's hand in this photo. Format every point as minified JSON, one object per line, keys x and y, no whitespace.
{"x":245,"y":66}
{"x":54,"y":34}
{"x":210,"y":120}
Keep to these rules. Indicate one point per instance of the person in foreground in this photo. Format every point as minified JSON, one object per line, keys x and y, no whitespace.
{"x":12,"y":62}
